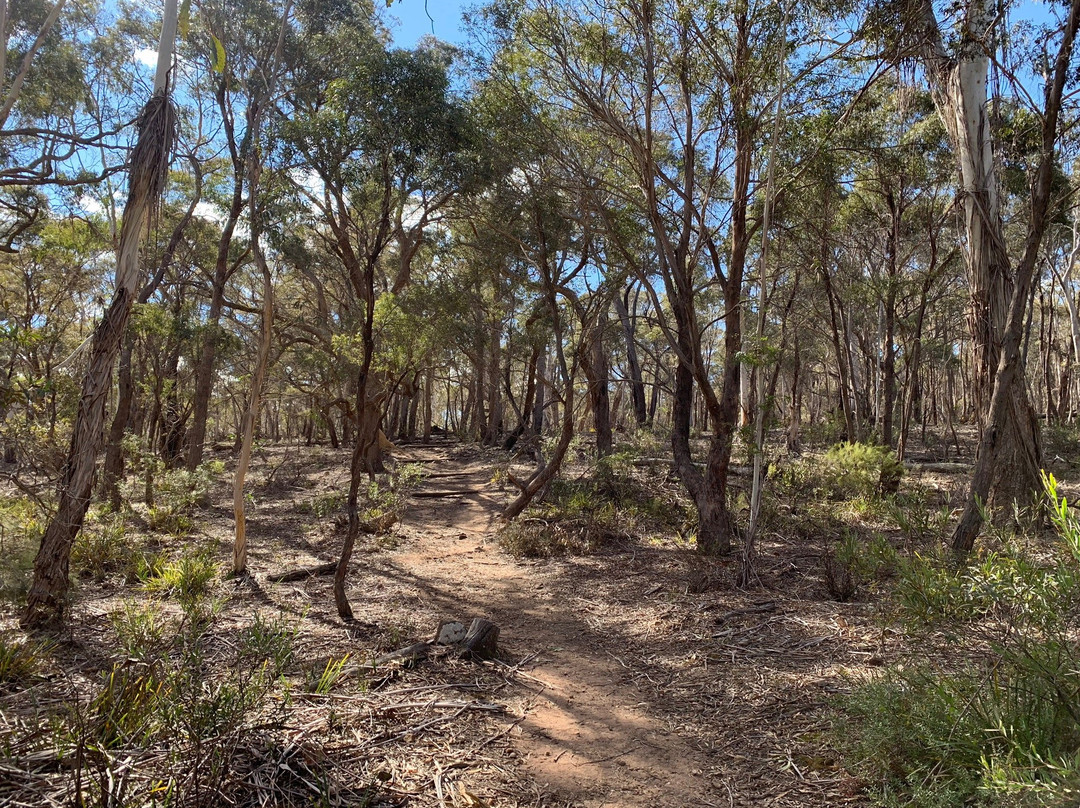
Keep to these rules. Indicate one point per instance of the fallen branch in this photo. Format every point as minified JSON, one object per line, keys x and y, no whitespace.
{"x":438,"y":494}
{"x":757,"y":608}
{"x":300,"y":574}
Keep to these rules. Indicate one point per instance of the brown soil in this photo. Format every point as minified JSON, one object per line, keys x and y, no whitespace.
{"x":640,"y":691}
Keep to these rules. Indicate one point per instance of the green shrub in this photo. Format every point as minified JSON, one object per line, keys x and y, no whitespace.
{"x":142,"y":632}
{"x":533,"y":537}
{"x":188,"y":578}
{"x":270,"y":642}
{"x":142,"y":565}
{"x":858,"y":561}
{"x":582,"y":516}
{"x":861,"y":469}
{"x":322,"y":680}
{"x":101,"y":546}
{"x":21,"y":528}
{"x":126,"y":707}
{"x":178,"y":492}
{"x":322,"y":505}
{"x":1001,"y":730}
{"x":20,"y":660}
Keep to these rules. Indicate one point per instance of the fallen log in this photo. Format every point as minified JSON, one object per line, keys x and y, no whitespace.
{"x":438,"y":494}
{"x":300,"y":574}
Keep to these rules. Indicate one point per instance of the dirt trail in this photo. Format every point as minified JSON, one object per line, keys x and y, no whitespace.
{"x":588,"y":734}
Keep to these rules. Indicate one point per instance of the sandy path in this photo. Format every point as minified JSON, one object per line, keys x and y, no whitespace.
{"x":588,"y":734}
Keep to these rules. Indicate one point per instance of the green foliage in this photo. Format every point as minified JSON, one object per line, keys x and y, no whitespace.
{"x":322,"y":505}
{"x":917,"y":520}
{"x":1001,"y":730}
{"x":123,"y":710}
{"x":141,"y":631}
{"x":868,"y":560}
{"x":270,"y":640}
{"x":164,"y":694}
{"x":188,"y":578}
{"x":177,"y":495}
{"x":144,"y":565}
{"x":101,"y":546}
{"x":21,"y":528}
{"x":861,"y":469}
{"x":321,"y":682}
{"x":20,"y":660}
{"x":583,"y":516}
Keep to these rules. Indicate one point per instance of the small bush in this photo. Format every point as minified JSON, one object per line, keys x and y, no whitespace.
{"x":177,"y":495}
{"x":861,"y":469}
{"x":1004,"y":729}
{"x":580,"y":517}
{"x":143,"y":565}
{"x":322,"y":505}
{"x":101,"y":547}
{"x":269,"y":641}
{"x":141,"y":631}
{"x":858,"y":561}
{"x":21,"y":528}
{"x":532,"y":537}
{"x":20,"y":660}
{"x":187,"y":578}
{"x":321,"y":681}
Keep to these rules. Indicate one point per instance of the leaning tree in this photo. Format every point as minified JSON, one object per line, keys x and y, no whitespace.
{"x":146,"y":181}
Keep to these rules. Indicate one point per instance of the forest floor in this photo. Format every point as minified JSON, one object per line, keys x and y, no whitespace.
{"x":634,"y":676}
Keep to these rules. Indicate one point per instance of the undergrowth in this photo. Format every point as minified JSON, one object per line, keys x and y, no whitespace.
{"x":587,"y":514}
{"x":1001,"y":728}
{"x":21,"y":527}
{"x":168,"y":720}
{"x":178,"y":493}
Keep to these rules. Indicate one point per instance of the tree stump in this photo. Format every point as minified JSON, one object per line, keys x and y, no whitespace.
{"x":481,"y":641}
{"x":478,"y":642}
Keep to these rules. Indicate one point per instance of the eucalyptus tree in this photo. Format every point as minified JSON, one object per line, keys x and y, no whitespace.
{"x":242,"y":43}
{"x":895,"y":207}
{"x":383,"y":138}
{"x":63,"y":96}
{"x":257,"y":209}
{"x":149,"y":165}
{"x":958,"y":67}
{"x":678,"y":95}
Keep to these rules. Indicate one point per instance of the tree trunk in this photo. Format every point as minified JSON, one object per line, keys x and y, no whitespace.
{"x":1009,"y":454}
{"x":637,"y":384}
{"x":262,"y":360}
{"x":427,"y":404}
{"x":541,"y":390}
{"x":113,"y":467}
{"x":599,"y":398}
{"x":149,"y":167}
{"x":223,"y":270}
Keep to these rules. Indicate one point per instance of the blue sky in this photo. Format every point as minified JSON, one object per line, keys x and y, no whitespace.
{"x":441,"y":18}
